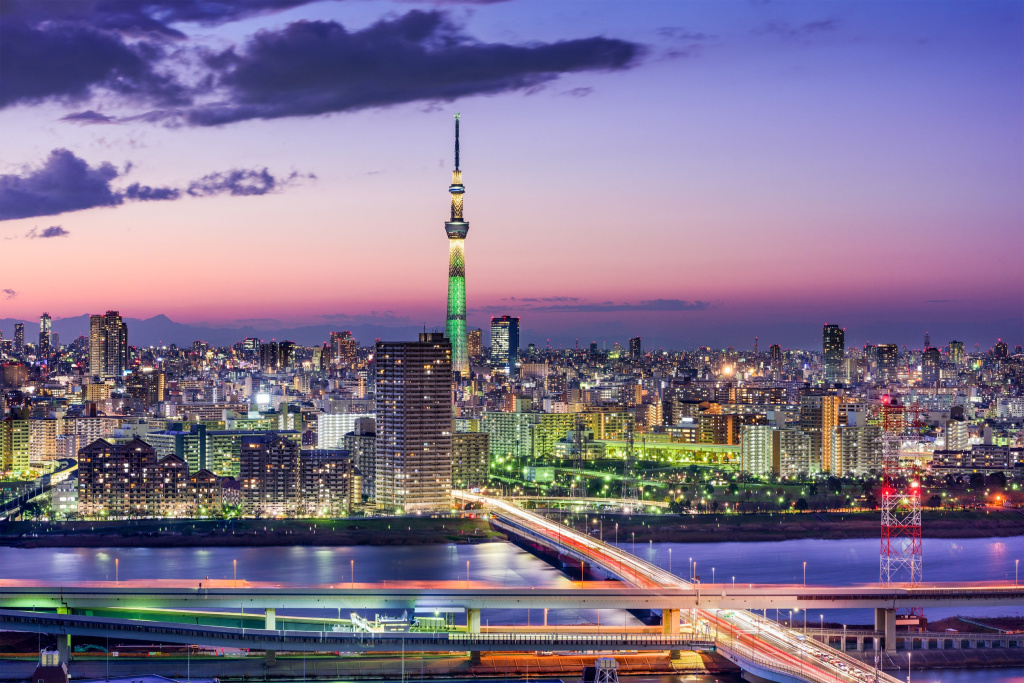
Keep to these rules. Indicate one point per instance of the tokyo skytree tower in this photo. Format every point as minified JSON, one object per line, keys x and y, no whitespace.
{"x":457,"y":228}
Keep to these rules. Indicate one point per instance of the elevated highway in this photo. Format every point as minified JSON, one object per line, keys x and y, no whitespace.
{"x":333,"y":641}
{"x":594,"y":596}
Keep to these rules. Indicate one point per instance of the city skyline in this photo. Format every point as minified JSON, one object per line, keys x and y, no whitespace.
{"x":784,"y":166}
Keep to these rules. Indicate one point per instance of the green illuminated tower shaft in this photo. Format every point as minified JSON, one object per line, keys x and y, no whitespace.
{"x":457,"y":228}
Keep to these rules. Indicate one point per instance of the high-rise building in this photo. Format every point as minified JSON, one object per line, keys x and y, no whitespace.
{"x":457,"y":229}
{"x":931,"y":362}
{"x":269,"y":471}
{"x":636,"y":349}
{"x":414,"y":423}
{"x":108,"y":345}
{"x":791,"y":453}
{"x":927,"y":340}
{"x":344,"y":349}
{"x":505,"y":343}
{"x":756,"y":448}
{"x":887,"y":354}
{"x":775,"y":356}
{"x":1001,"y":350}
{"x":470,"y":459}
{"x":819,"y":416}
{"x":833,"y":347}
{"x":19,"y":339}
{"x":475,"y":344}
{"x":45,"y":325}
{"x":956,"y":352}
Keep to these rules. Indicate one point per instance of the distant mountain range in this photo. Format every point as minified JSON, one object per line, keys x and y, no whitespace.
{"x":161,"y":331}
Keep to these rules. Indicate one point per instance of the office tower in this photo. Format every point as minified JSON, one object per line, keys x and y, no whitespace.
{"x":344,"y":349}
{"x":15,"y":444}
{"x":286,"y":354}
{"x":54,"y":342}
{"x":108,"y":345}
{"x":505,"y":343}
{"x":414,"y":423}
{"x":775,"y":356}
{"x":251,"y":348}
{"x":833,"y":347}
{"x":858,"y":450}
{"x":636,"y":349}
{"x":270,"y":358}
{"x":44,"y":336}
{"x":887,"y":355}
{"x":1001,"y":351}
{"x":475,"y":344}
{"x":19,"y":339}
{"x":756,"y":447}
{"x":457,"y":228}
{"x":931,"y":361}
{"x":819,"y":416}
{"x":956,"y":352}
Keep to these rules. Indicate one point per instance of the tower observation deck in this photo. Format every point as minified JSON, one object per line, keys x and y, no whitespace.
{"x":457,"y":228}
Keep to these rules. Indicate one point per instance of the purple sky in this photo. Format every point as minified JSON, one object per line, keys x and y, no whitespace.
{"x":694,"y":173}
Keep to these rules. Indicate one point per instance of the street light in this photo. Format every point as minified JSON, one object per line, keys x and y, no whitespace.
{"x":467,"y":572}
{"x":670,"y":560}
{"x":352,"y":573}
{"x":234,"y":564}
{"x":117,"y":570}
{"x":1016,"y":571}
{"x":805,"y":573}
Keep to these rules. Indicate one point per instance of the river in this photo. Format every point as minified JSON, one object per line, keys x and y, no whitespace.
{"x":828,"y":562}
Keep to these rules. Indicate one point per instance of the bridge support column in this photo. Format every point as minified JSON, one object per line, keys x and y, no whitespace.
{"x":885,"y":621}
{"x":270,"y":619}
{"x":473,"y":626}
{"x":670,"y":627}
{"x":64,"y":641}
{"x":860,"y":643}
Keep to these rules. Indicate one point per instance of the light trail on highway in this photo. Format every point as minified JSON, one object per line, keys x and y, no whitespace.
{"x":745,"y":635}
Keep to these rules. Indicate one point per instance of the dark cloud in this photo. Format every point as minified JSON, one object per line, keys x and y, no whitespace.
{"x":63,"y":183}
{"x":662,"y":305}
{"x":67,"y":183}
{"x":47,"y":233}
{"x":68,"y":61}
{"x":579,"y":92}
{"x":145,"y":193}
{"x":316,"y":67}
{"x":88,"y":117}
{"x":9,"y":293}
{"x":799,"y":32}
{"x":681,"y":34}
{"x":571,"y":304}
{"x":240,"y":182}
{"x":139,"y":17}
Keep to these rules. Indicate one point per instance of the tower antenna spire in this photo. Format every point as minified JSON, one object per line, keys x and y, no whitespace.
{"x":456,"y":141}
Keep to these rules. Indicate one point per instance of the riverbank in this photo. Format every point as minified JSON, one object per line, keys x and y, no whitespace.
{"x":731,"y":528}
{"x":164,"y":533}
{"x":399,"y":531}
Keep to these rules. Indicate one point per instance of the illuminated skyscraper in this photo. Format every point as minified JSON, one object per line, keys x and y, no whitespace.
{"x":414,"y":424}
{"x":956,"y":351}
{"x":833,"y":346}
{"x":108,"y":345}
{"x":636,"y":348}
{"x":505,"y":343}
{"x":44,"y":336}
{"x":457,"y":228}
{"x":19,"y":339}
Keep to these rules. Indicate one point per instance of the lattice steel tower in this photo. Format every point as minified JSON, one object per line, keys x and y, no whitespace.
{"x":457,"y":228}
{"x":630,"y":490}
{"x":901,"y":556}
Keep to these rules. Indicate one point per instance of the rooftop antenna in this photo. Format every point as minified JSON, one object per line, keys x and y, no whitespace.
{"x":457,"y":141}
